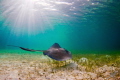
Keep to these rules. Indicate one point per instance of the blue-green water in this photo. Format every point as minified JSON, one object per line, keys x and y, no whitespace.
{"x":89,"y":29}
{"x":79,"y":25}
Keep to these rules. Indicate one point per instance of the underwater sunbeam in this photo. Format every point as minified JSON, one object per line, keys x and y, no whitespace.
{"x":28,"y":16}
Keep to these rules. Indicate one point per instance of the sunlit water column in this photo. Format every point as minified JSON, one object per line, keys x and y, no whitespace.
{"x":29,"y":20}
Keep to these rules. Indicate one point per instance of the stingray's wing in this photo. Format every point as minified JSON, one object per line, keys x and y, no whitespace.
{"x":26,"y":49}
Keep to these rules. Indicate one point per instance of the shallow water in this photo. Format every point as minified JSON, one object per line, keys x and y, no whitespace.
{"x":89,"y":29}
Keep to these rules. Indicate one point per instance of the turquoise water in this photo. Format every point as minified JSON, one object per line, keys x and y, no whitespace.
{"x":87,"y":26}
{"x":81,"y":26}
{"x":78,"y":25}
{"x":89,"y":29}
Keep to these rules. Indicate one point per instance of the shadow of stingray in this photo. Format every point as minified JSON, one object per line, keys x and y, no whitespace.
{"x":70,"y":66}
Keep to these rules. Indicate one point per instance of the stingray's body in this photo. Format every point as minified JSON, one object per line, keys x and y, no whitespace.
{"x":55,"y":52}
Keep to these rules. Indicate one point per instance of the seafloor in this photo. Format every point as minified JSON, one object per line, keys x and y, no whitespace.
{"x":35,"y":66}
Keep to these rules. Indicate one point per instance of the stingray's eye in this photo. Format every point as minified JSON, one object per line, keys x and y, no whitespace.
{"x":66,"y":51}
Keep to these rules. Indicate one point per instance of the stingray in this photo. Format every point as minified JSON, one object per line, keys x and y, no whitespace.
{"x":55,"y":52}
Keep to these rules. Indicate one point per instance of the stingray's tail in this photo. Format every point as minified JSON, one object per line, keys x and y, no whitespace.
{"x":13,"y":45}
{"x":26,"y":49}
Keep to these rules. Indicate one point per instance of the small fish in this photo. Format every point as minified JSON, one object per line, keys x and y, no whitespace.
{"x":55,"y":52}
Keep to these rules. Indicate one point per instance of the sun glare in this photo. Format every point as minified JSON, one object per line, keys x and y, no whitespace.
{"x":32,"y":16}
{"x":27,"y":15}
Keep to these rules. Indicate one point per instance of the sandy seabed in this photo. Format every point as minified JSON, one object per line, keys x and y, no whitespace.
{"x":40,"y":67}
